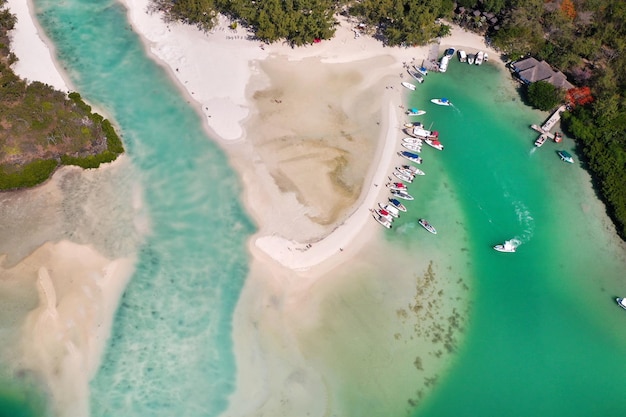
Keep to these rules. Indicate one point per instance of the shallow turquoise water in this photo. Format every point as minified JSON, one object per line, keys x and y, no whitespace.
{"x":171,"y":349}
{"x":544,"y":337}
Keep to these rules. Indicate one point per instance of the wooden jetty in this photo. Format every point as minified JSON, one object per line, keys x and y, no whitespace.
{"x":544,"y":130}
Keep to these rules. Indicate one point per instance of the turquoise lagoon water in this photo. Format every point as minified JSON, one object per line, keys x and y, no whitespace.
{"x":171,"y":349}
{"x":544,"y":336}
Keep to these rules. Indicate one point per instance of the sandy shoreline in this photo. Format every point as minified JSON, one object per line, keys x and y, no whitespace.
{"x":223,"y":71}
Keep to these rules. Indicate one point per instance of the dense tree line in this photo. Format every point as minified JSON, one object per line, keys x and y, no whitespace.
{"x":41,"y":128}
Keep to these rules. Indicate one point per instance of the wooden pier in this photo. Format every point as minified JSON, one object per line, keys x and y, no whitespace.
{"x":544,"y":130}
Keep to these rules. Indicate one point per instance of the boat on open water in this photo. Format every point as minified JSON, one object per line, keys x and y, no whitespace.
{"x":424,"y":223}
{"x":507,"y":246}
{"x":621,"y":302}
{"x":566,"y":157}
{"x":441,"y":101}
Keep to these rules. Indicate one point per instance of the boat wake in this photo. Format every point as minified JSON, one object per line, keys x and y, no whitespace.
{"x":532,"y":150}
{"x":526,"y":220}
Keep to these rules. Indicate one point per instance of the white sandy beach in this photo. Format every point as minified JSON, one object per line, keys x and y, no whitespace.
{"x":225,"y":73}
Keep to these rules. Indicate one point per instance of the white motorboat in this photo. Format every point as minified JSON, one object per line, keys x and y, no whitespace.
{"x":410,"y":86}
{"x":480,"y":56}
{"x":486,"y":57}
{"x":415,"y":147}
{"x":422,"y":133}
{"x":422,"y":70}
{"x":384,"y":213}
{"x":390,"y":209}
{"x":414,"y":141}
{"x":382,"y":220}
{"x":427,"y":226}
{"x":462,"y":55}
{"x":415,"y":112}
{"x":621,"y":302}
{"x":410,"y":169}
{"x":507,"y":246}
{"x":399,"y":186}
{"x":402,"y":194}
{"x":416,"y":75}
{"x":397,"y":204}
{"x":471,"y":58}
{"x":443,"y":65}
{"x":403,"y":176}
{"x":541,"y":140}
{"x":413,"y":157}
{"x":434,"y":143}
{"x":441,"y":101}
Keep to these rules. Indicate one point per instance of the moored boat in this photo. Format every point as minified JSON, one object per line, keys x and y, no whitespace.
{"x":471,"y":58}
{"x":441,"y":101}
{"x":541,"y":140}
{"x":399,"y":186}
{"x":410,"y":169}
{"x":415,"y":141}
{"x":382,"y":220}
{"x":422,"y":70}
{"x":384,"y":213}
{"x":449,"y":52}
{"x":507,"y":246}
{"x":480,"y":56}
{"x":462,"y":55}
{"x":413,"y":157}
{"x":413,"y":125}
{"x":410,"y":86}
{"x":621,"y":302}
{"x":390,"y":209}
{"x":486,"y":57}
{"x":415,"y":112}
{"x":565,"y":156}
{"x":443,"y":65}
{"x":402,"y":194}
{"x":415,"y":147}
{"x":427,"y":226}
{"x":416,"y":75}
{"x":434,"y":143}
{"x":397,"y":204}
{"x":403,"y":176}
{"x":422,"y":133}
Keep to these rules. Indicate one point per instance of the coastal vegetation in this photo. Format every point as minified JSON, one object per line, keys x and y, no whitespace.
{"x":543,"y":95}
{"x":42,"y":128}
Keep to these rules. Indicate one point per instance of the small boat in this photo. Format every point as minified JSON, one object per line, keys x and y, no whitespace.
{"x":621,"y":302}
{"x":414,"y":141}
{"x":390,"y":209}
{"x":427,"y":226}
{"x":565,"y":156}
{"x":402,"y":194}
{"x":471,"y":58}
{"x":434,"y":143}
{"x":422,"y":133}
{"x":403,"y":176}
{"x":441,"y":101}
{"x":410,"y":86}
{"x":507,"y":246}
{"x":384,"y":213}
{"x":416,"y":75}
{"x":422,"y":70}
{"x":443,"y":65}
{"x":410,"y":169}
{"x":399,"y":186}
{"x":486,"y":57}
{"x":413,"y":125}
{"x":412,"y":146}
{"x":449,"y":52}
{"x":480,"y":56}
{"x":558,"y":137}
{"x":382,"y":220}
{"x":462,"y":55}
{"x":413,"y":157}
{"x":415,"y":112}
{"x":397,"y":204}
{"x":541,"y":140}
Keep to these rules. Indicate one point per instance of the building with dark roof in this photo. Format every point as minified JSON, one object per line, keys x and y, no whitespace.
{"x":530,"y":70}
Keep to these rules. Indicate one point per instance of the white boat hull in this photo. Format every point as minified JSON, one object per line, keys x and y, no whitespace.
{"x":427,"y":226}
{"x":409,"y":86}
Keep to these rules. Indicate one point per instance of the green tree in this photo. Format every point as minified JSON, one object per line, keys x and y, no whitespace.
{"x":543,"y":95}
